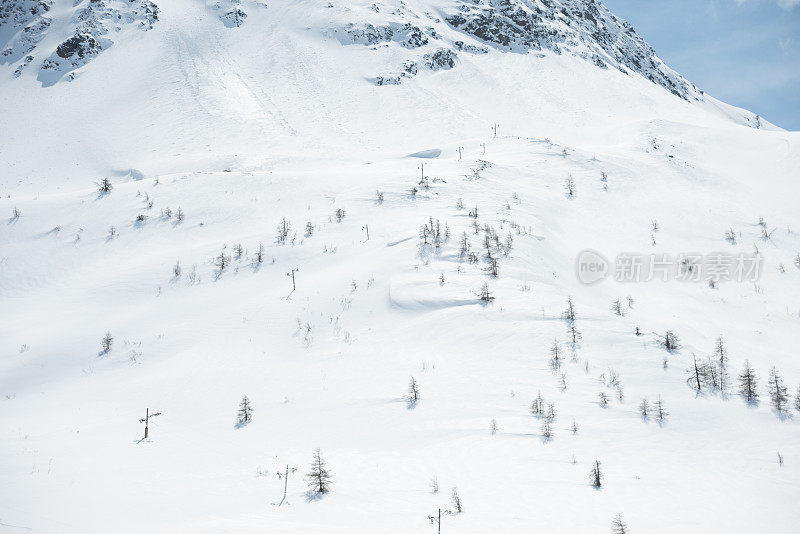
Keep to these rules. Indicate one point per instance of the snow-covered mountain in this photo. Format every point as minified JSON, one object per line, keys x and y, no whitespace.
{"x":309,"y":203}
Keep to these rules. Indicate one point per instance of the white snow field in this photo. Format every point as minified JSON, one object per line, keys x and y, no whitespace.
{"x":241,"y":122}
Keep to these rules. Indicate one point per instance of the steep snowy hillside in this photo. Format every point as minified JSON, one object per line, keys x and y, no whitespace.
{"x":317,"y":204}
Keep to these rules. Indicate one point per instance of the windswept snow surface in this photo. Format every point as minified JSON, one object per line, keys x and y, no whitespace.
{"x":242,"y":126}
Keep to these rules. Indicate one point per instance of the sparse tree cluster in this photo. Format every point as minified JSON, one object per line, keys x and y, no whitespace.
{"x":670,"y":341}
{"x":432,"y":233}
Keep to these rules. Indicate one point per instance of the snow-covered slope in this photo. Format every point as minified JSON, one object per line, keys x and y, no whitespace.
{"x":241,"y":115}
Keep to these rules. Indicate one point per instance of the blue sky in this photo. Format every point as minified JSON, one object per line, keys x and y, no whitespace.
{"x":744,"y":52}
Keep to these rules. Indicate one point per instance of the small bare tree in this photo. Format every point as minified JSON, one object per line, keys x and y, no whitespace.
{"x":618,"y":526}
{"x":222,"y":261}
{"x":319,"y":478}
{"x":670,"y":341}
{"x":721,"y":351}
{"x":245,"y":413}
{"x":617,"y":308}
{"x":455,"y":501}
{"x":748,"y":383}
{"x":595,"y":475}
{"x":778,"y":395}
{"x":485,"y":295}
{"x":659,"y":410}
{"x":547,"y":430}
{"x":555,"y":354}
{"x":106,"y":342}
{"x":569,"y":186}
{"x":797,"y":400}
{"x":644,"y":408}
{"x":105,"y":186}
{"x":695,"y":373}
{"x":412,"y":397}
{"x":282,"y":232}
{"x":538,"y":406}
{"x":569,"y":314}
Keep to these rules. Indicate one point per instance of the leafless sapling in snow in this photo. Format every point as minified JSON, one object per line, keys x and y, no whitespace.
{"x":485,"y":295}
{"x":748,"y":383}
{"x":260,"y":253}
{"x":595,"y":475}
{"x":569,"y":186}
{"x":538,"y":406}
{"x":778,"y":395}
{"x":618,"y":526}
{"x":547,"y":430}
{"x":659,"y":411}
{"x":695,"y":373}
{"x":721,"y":351}
{"x":569,"y":314}
{"x":105,"y":186}
{"x":245,"y":413}
{"x":282,"y":232}
{"x":797,"y":400}
{"x":107,"y":342}
{"x":412,"y":397}
{"x":176,"y":269}
{"x":644,"y":408}
{"x":238,"y":250}
{"x":222,"y":261}
{"x":574,"y":334}
{"x":617,"y":308}
{"x":555,"y":355}
{"x":455,"y":501}
{"x":319,"y":478}
{"x":670,"y":341}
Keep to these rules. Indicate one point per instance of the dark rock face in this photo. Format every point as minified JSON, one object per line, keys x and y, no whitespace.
{"x":24,"y":23}
{"x":585,"y":28}
{"x":230,"y":12}
{"x":442,"y":59}
{"x":80,"y":46}
{"x":582,"y":28}
{"x":234,"y":18}
{"x":472,"y":49}
{"x":405,"y":34}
